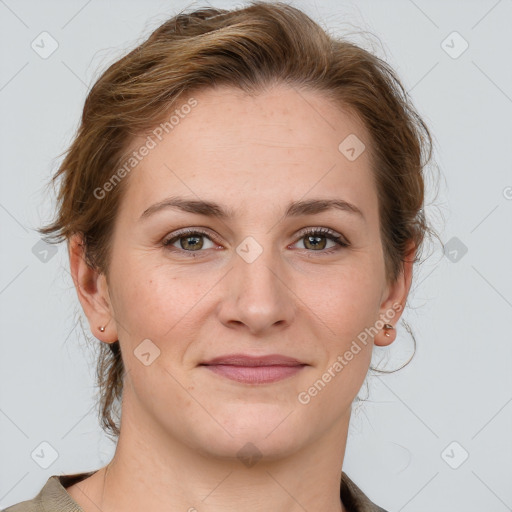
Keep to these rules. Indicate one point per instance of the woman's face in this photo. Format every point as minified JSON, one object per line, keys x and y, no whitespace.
{"x":258,"y":281}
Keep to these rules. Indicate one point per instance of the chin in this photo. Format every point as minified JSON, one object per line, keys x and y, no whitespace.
{"x":249,"y":449}
{"x":263,"y":431}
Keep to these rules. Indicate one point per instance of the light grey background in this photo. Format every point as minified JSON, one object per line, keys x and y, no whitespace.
{"x":459,"y":385}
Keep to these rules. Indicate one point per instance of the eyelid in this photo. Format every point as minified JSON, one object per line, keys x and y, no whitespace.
{"x":323,"y":231}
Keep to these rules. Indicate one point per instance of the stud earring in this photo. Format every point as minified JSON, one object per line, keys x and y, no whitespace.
{"x":102,"y":329}
{"x":388,"y":326}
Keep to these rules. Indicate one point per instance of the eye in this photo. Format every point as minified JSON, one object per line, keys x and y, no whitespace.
{"x":191,"y":240}
{"x":312,"y":239}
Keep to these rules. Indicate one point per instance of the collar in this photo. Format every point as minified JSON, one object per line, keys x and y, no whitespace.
{"x":54,"y":495}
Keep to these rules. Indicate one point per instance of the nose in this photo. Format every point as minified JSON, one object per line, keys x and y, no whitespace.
{"x":257,"y":296}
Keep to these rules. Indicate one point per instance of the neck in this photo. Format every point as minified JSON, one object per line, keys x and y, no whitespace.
{"x":152,"y":470}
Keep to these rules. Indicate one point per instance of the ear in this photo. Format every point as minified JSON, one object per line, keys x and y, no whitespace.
{"x":394,"y":299}
{"x":92,"y":290}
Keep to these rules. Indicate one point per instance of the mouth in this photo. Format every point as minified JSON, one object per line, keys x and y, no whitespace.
{"x":254,"y":369}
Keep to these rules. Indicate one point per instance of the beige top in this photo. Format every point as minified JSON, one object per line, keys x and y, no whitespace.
{"x":53,"y":497}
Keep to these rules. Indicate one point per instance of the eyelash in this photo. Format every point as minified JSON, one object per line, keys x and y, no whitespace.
{"x":325,"y":232}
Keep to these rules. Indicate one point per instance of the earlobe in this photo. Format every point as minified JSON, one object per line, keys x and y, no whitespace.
{"x":92,"y":291}
{"x":386,"y":336}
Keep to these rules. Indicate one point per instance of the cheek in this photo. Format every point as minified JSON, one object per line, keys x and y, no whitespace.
{"x":345,"y":301}
{"x":152,"y":299}
{"x":343,"y":309}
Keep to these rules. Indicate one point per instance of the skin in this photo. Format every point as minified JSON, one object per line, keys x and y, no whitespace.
{"x":182,"y":425}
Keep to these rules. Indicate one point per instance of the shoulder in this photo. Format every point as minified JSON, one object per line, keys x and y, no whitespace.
{"x":32,"y":505}
{"x":354,"y":499}
{"x":53,"y":496}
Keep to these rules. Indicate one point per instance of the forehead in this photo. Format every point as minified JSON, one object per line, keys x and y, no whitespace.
{"x":277,"y":145}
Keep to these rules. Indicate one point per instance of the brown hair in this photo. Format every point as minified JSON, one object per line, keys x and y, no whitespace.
{"x":249,"y":48}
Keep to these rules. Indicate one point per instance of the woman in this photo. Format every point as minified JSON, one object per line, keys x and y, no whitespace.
{"x":243,"y":209}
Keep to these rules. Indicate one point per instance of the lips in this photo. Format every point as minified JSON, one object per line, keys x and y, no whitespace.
{"x":251,"y":361}
{"x":254,"y":369}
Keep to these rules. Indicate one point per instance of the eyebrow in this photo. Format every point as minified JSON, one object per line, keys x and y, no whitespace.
{"x":212,"y":209}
